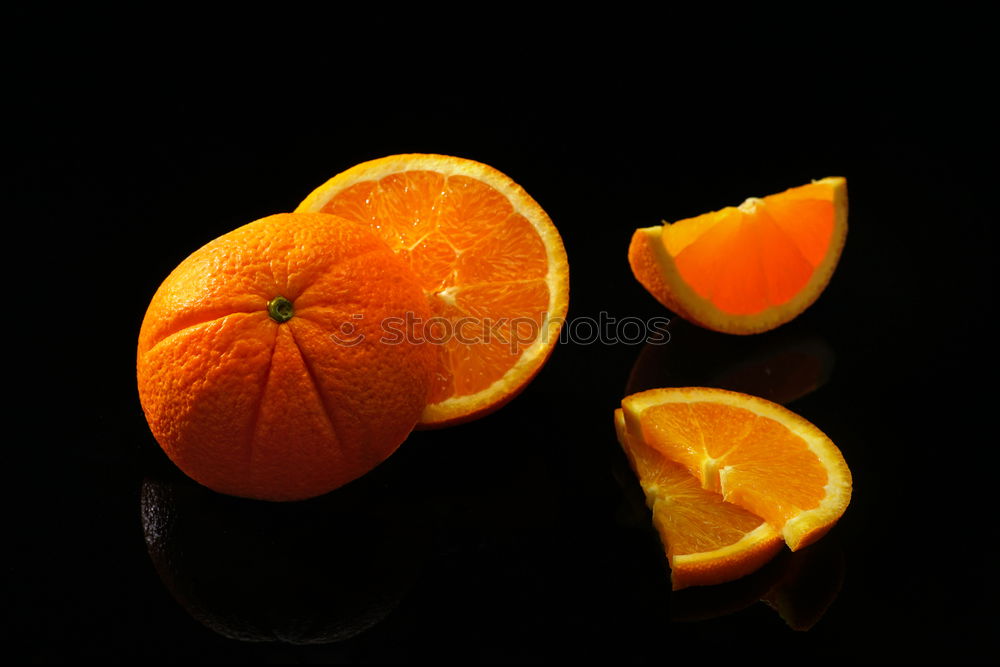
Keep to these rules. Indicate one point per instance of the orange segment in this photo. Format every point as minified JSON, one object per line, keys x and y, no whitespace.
{"x":471,"y":210}
{"x":707,"y":540}
{"x":489,"y":259}
{"x":512,"y":251}
{"x":757,"y":454}
{"x":749,"y":268}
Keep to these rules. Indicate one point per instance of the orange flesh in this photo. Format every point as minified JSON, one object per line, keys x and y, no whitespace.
{"x":475,"y":259}
{"x":691,"y":519}
{"x":766,"y":468}
{"x":769,"y":248}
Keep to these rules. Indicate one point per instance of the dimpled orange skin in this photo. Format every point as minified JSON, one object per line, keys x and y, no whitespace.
{"x":253,"y":407}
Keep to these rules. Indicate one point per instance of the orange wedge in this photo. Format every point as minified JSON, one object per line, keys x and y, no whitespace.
{"x":749,"y":268}
{"x":490,"y":262}
{"x":755,"y":453}
{"x":708,"y":540}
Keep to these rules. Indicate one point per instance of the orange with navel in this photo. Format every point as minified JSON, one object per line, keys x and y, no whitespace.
{"x":262,"y":367}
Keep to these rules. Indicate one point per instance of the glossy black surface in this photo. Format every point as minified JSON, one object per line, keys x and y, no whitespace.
{"x":518,"y":537}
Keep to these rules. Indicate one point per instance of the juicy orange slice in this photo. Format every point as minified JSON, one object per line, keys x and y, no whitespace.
{"x":755,"y":453}
{"x":750,"y":268}
{"x":488,"y":258}
{"x":708,"y":540}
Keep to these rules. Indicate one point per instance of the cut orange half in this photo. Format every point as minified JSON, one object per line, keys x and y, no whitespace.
{"x":755,"y":453}
{"x":707,"y":540}
{"x":488,"y":258}
{"x":749,"y":268}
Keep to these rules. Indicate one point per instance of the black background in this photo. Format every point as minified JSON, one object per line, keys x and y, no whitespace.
{"x":516,"y":537}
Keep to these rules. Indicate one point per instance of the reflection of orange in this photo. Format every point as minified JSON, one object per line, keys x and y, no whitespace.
{"x":749,"y":268}
{"x":793,"y":374}
{"x":705,"y":602}
{"x":240,"y":374}
{"x":800,"y":586}
{"x":322,"y":570}
{"x":782,"y":367}
{"x":488,"y":258}
{"x":810,"y":582}
{"x":755,"y":453}
{"x":707,"y":540}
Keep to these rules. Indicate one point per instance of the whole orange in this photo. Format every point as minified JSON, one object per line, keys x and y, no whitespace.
{"x":263,"y":366}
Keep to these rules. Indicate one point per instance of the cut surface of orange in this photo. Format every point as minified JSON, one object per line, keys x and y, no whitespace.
{"x":755,"y":453}
{"x":749,"y":268}
{"x":707,"y":540}
{"x":488,"y":258}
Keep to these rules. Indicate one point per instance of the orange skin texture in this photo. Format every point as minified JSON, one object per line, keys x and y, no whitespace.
{"x":641,"y":258}
{"x":251,"y":407}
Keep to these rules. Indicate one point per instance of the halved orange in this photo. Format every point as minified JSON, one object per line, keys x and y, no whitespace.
{"x":488,"y":258}
{"x":750,"y":268}
{"x":707,"y":540}
{"x":755,"y":453}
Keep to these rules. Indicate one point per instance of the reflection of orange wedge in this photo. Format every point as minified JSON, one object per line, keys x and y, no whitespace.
{"x":811,"y":581}
{"x":707,"y":540}
{"x":702,"y":603}
{"x":783,"y":377}
{"x":750,"y":268}
{"x":782,"y":367}
{"x":799,"y":586}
